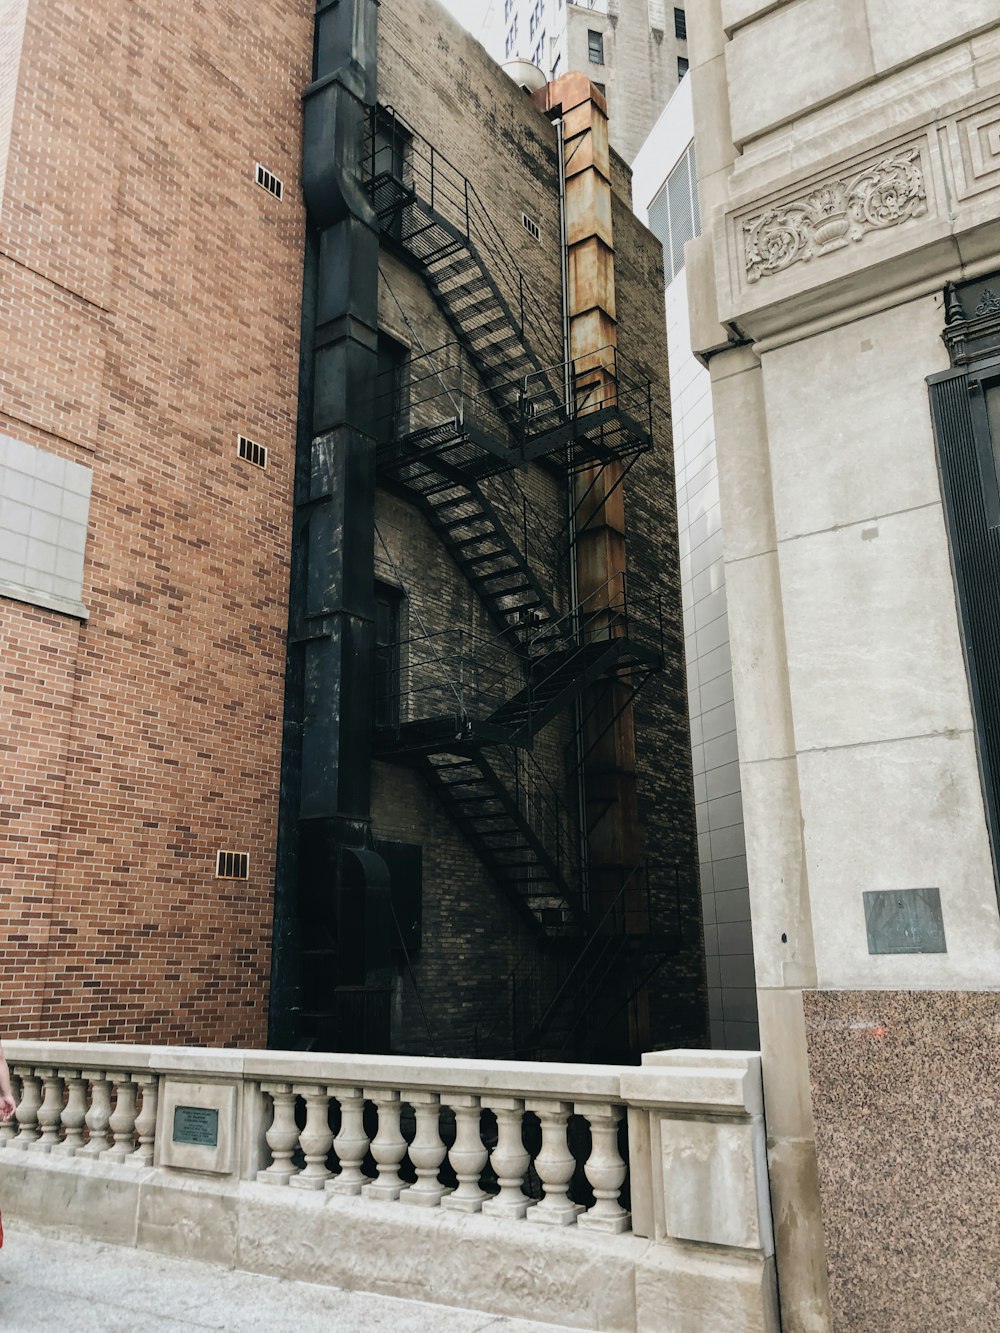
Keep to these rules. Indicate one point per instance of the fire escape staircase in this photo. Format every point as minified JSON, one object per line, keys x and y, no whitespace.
{"x":458,"y":688}
{"x":639,"y":932}
{"x":431,"y":213}
{"x":474,"y":530}
{"x":529,"y":847}
{"x":464,"y":727}
{"x":455,"y":423}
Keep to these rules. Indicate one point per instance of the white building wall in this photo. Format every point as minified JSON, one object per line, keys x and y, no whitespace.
{"x":715,"y":755}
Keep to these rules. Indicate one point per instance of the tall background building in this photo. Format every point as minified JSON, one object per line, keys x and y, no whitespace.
{"x":665,"y":193}
{"x":342,"y":638}
{"x":634,"y":50}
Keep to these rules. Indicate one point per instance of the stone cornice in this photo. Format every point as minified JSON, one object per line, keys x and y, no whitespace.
{"x":887,"y":191}
{"x":922,"y":206}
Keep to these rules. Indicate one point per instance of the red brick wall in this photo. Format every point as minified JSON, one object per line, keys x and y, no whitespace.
{"x":150,"y":294}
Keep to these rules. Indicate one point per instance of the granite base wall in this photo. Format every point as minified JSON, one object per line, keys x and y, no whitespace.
{"x":906,"y":1099}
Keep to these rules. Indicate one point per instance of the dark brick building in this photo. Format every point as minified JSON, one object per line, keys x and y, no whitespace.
{"x":332,"y":557}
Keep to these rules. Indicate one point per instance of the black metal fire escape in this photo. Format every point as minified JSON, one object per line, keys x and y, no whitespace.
{"x":457,"y":423}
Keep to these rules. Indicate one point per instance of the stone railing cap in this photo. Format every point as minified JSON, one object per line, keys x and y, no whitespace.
{"x":726,"y":1091}
{"x":724,"y":1082}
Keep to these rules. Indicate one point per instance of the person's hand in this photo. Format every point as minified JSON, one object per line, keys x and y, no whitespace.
{"x":6,"y":1107}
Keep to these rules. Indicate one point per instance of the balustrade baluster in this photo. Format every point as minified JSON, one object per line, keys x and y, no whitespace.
{"x":388,"y":1147}
{"x":49,"y":1112}
{"x":555,"y":1165}
{"x":8,"y":1128}
{"x":27,"y":1108}
{"x":605,"y":1170}
{"x":122,"y":1122}
{"x":467,"y":1156}
{"x":99,"y":1116}
{"x":282,"y":1136}
{"x":510,"y":1160}
{"x":427,"y":1151}
{"x":74,"y":1112}
{"x":351,"y":1141}
{"x":145,"y":1123}
{"x":316,"y":1139}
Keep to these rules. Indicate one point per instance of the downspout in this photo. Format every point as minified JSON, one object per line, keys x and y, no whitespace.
{"x":340,"y":893}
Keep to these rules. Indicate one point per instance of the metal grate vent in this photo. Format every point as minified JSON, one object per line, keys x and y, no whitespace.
{"x":531,"y":227}
{"x":252,"y":452}
{"x":269,"y":181}
{"x":232,"y":865}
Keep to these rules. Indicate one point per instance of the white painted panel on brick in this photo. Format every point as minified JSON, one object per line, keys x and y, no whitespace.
{"x":44,"y":509}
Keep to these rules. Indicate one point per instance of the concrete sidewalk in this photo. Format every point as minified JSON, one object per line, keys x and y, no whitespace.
{"x":53,"y":1280}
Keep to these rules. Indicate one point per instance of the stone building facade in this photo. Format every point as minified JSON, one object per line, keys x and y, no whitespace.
{"x":634,"y":50}
{"x":227,"y":669}
{"x":844,"y":296}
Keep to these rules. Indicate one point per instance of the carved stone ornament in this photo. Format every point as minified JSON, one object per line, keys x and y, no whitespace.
{"x":882,"y":195}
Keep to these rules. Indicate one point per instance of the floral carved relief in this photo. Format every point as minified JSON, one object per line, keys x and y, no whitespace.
{"x":883,"y":194}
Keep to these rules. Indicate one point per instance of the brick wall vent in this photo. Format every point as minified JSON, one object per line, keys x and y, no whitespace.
{"x":232,"y":865}
{"x":253,"y":453}
{"x":269,"y":181}
{"x":531,"y":227}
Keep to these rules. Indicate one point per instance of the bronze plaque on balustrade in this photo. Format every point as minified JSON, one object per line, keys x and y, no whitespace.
{"x":197,"y":1125}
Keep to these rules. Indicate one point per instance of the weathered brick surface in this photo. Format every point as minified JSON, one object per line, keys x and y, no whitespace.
{"x":666,"y":795}
{"x":150,"y":294}
{"x":473,"y":942}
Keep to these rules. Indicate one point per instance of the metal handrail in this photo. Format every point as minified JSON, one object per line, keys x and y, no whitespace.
{"x":443,"y":184}
{"x":548,"y":808}
{"x":599,"y":939}
{"x":464,"y":677}
{"x":475,"y":669}
{"x":612,"y":606}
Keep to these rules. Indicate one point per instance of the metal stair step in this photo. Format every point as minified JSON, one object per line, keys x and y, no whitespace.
{"x":502,"y":592}
{"x":468,"y":541}
{"x":500,"y":553}
{"x":463,"y":265}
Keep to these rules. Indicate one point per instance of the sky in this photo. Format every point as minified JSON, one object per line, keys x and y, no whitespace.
{"x":469,"y":12}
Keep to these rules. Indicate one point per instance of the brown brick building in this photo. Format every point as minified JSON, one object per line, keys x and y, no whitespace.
{"x":196,"y":661}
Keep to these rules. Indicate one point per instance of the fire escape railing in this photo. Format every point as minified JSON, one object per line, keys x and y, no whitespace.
{"x":398,"y":158}
{"x":602,"y":410}
{"x":455,"y":684}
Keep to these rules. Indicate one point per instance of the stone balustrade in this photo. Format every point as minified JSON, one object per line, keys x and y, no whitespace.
{"x":518,"y":1154}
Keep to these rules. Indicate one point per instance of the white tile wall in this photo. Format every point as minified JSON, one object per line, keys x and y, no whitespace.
{"x":714,"y":749}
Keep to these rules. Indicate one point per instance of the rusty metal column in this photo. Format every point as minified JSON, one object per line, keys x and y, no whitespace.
{"x":613,"y":832}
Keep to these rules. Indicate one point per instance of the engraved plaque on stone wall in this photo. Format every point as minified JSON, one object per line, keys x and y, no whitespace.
{"x":904,"y":921}
{"x":198,"y":1125}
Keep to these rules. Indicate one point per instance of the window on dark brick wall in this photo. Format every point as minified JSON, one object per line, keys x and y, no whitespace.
{"x":595,"y":47}
{"x":391,"y":386}
{"x":405,"y":863}
{"x":388,"y":619}
{"x":680,"y":25}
